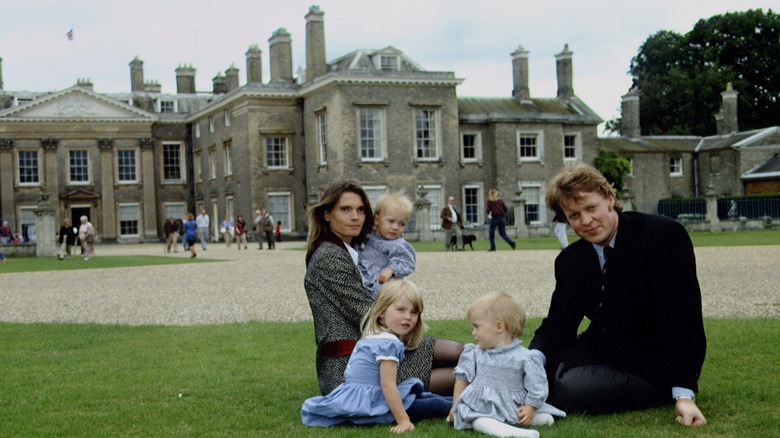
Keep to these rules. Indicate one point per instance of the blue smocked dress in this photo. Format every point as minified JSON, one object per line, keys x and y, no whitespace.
{"x":359,"y":399}
{"x":500,"y":380}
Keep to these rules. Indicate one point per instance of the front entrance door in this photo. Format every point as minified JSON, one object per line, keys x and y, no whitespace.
{"x":77,"y":212}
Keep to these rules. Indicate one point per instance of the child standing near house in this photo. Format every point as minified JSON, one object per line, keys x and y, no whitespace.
{"x":498,"y":381}
{"x":370,"y":394}
{"x":386,"y":253}
{"x":278,"y":231}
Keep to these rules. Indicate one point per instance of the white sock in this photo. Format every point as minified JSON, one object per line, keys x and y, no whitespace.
{"x":496,"y":428}
{"x":542,"y":419}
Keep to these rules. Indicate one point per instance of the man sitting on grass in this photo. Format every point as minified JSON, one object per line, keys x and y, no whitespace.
{"x":633,"y":275}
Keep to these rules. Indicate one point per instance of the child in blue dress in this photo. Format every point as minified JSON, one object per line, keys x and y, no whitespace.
{"x":498,"y":381}
{"x":386,"y":253}
{"x":370,"y":393}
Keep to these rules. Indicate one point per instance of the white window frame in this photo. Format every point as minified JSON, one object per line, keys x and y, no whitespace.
{"x":675,"y":167}
{"x":374,"y":192}
{"x":227,"y":148}
{"x":229,"y":207}
{"x":395,"y":65}
{"x":70,"y":168}
{"x":438,"y":201}
{"x":479,"y":206}
{"x":38,"y":168}
{"x":378,"y":132}
{"x":539,"y":135}
{"x":196,"y":157}
{"x":160,"y":106}
{"x":175,"y":206}
{"x":197,"y":129}
{"x":541,"y":210}
{"x":477,"y":146}
{"x":27,"y":217}
{"x":322,"y":137}
{"x":119,"y":179}
{"x":577,"y":147}
{"x":287,"y":219}
{"x":284,"y":153}
{"x":182,"y":174}
{"x":227,"y":117}
{"x":128,"y":205}
{"x":212,"y":163}
{"x":212,"y":127}
{"x":435,"y":132}
{"x":214,"y":221}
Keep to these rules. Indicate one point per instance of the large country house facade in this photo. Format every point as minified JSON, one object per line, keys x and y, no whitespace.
{"x":130,"y":160}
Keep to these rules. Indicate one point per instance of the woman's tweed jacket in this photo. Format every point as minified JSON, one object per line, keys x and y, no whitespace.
{"x":338,"y":302}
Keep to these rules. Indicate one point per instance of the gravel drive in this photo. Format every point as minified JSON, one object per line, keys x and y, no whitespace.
{"x":253,"y":285}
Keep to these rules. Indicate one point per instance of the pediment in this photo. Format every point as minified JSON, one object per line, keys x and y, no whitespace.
{"x":81,"y":195}
{"x":76,"y":103}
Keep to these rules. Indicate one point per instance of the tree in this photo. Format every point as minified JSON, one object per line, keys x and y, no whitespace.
{"x":680,"y":77}
{"x":612,"y":166}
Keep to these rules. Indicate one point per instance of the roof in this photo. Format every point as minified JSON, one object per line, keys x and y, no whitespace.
{"x":768,"y":169}
{"x":510,"y":109}
{"x":673,"y":143}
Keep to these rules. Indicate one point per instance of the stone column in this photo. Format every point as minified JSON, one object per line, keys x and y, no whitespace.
{"x":107,"y":225}
{"x":521,"y":229}
{"x":46,"y":243}
{"x":7,"y":178}
{"x":712,"y":208}
{"x":149,"y":190}
{"x":423,"y":208}
{"x":627,"y":199}
{"x":49,"y":163}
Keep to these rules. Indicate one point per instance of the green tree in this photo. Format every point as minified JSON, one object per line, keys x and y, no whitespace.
{"x":612,"y":166}
{"x":680,"y":77}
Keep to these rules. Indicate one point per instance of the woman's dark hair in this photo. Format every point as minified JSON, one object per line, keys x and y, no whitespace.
{"x":319,"y":229}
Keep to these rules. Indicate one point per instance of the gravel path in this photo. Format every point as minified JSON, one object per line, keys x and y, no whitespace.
{"x":736,"y":282}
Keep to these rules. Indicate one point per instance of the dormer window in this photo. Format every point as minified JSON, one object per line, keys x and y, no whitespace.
{"x":167,"y":106}
{"x":388,"y":62}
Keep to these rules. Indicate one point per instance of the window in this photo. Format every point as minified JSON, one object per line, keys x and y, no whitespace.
{"x":227,"y":148}
{"x":28,"y":167}
{"x":279,"y":208}
{"x":425,"y":133}
{"x":571,"y":147}
{"x":631,"y":167}
{"x":374,"y":193}
{"x":126,"y":166}
{"x":436,"y":196}
{"x":228,"y":117}
{"x":198,"y":167}
{"x":323,"y":138}
{"x":388,"y":62}
{"x":172,"y":162}
{"x":212,"y":164}
{"x":675,"y":166}
{"x":174,"y":210}
{"x":473,"y":207}
{"x":276,"y":152}
{"x":78,"y":166}
{"x":212,"y":128}
{"x":529,"y":146}
{"x":27,"y":223}
{"x":229,"y":211}
{"x":532,"y":195}
{"x":471,"y":146}
{"x":167,"y":106}
{"x":371,"y":134}
{"x":197,"y":130}
{"x":128,"y":219}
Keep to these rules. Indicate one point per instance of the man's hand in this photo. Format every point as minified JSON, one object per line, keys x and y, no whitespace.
{"x":525,"y":415}
{"x":688,"y":414}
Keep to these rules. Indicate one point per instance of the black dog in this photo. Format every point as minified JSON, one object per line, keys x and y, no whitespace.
{"x":468,"y":239}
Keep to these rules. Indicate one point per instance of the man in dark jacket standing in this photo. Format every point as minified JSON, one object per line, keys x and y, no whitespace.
{"x":633,"y":275}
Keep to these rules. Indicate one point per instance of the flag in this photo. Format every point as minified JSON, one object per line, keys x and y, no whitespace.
{"x":70,"y":35}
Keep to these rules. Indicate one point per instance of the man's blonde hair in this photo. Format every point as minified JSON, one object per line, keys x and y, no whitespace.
{"x":500,"y":307}
{"x":574,"y":180}
{"x":389,"y":293}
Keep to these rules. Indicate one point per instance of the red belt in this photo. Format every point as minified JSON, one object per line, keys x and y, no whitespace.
{"x":340,"y":347}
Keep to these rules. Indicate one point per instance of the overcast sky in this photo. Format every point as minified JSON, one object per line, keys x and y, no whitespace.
{"x":473,"y":39}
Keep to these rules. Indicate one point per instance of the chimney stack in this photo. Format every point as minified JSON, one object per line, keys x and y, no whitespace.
{"x":726,"y":119}
{"x":219,"y":84}
{"x":254,"y":65}
{"x":85,"y":84}
{"x":137,"y":75}
{"x":629,"y":108}
{"x":564,"y":69}
{"x":231,"y":78}
{"x":185,"y":79}
{"x":316,"y":65}
{"x":520,"y":74}
{"x":152,"y":86}
{"x":280,"y":47}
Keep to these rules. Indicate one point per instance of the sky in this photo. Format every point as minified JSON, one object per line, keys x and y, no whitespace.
{"x":473,"y":39}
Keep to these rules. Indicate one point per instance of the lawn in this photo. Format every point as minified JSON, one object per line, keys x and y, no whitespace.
{"x":38,"y":264}
{"x":234,"y":380}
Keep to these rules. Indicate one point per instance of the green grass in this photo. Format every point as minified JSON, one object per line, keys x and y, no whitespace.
{"x":235,"y":380}
{"x":725,"y":238}
{"x":38,"y":264}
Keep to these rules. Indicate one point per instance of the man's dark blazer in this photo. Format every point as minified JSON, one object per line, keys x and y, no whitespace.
{"x":446,"y":217}
{"x":647,"y":320}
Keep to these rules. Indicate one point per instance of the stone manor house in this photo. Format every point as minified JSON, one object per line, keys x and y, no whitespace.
{"x":130,"y":160}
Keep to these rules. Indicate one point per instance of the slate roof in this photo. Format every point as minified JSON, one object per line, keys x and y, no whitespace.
{"x":510,"y":109}
{"x":768,"y":169}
